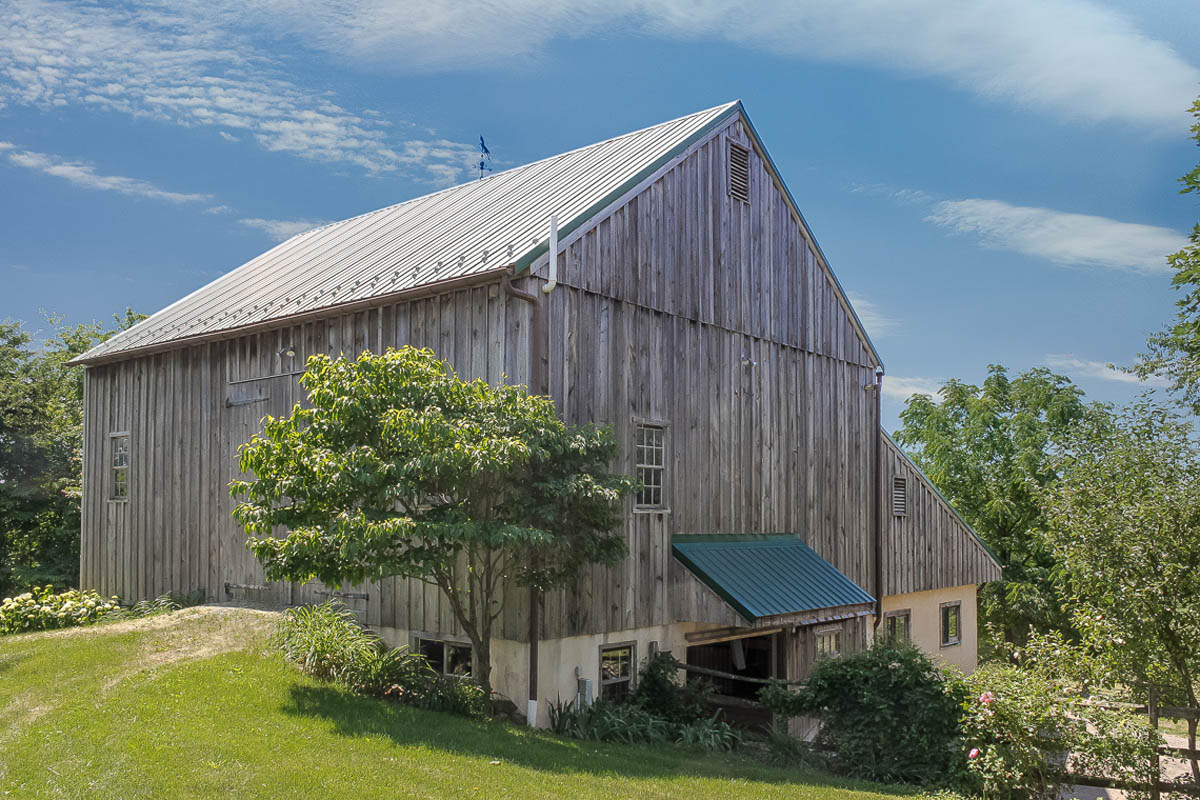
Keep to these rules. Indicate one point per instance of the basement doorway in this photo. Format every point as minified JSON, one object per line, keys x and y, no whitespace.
{"x":757,"y":657}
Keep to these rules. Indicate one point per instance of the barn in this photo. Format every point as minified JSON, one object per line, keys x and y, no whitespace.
{"x":663,"y":282}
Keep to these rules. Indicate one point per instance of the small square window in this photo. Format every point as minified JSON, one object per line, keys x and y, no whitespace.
{"x":650,"y":454}
{"x":447,"y":658}
{"x":898,"y":626}
{"x":616,"y":672}
{"x":119,"y":466}
{"x":829,"y":642}
{"x":951,"y":624}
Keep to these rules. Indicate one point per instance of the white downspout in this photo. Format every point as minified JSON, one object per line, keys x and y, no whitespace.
{"x":553,"y":274}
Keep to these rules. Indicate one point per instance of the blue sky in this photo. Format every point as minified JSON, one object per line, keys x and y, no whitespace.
{"x":993,"y":182}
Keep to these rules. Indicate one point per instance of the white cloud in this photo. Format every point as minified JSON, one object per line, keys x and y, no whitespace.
{"x":193,"y":65}
{"x":85,"y":175}
{"x":1078,"y":367}
{"x":229,"y":137}
{"x":281,"y":229}
{"x":1073,"y":59}
{"x":899,"y":388}
{"x":877,"y":322}
{"x":1061,"y":237}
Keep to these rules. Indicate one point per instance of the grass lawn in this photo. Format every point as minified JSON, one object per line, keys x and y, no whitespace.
{"x":195,"y":704}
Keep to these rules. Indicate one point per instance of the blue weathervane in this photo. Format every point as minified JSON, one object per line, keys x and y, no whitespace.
{"x":485,"y":158}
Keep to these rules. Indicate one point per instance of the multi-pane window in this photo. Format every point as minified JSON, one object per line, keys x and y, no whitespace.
{"x":650,"y":452}
{"x":829,"y":642}
{"x":951,"y":624}
{"x":899,"y":626}
{"x":119,"y":465}
{"x":616,"y":671}
{"x":446,"y":658}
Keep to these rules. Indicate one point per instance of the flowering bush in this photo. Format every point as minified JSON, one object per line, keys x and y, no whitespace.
{"x":40,"y":609}
{"x":1024,"y":733}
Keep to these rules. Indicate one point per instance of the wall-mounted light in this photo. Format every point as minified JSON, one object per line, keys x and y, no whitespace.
{"x":288,"y":352}
{"x":747,"y":361}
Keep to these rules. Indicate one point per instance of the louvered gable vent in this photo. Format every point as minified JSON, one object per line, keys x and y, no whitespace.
{"x":739,"y":173}
{"x":899,"y":496}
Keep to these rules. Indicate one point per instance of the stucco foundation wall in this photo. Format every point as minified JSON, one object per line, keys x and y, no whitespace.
{"x":927,"y":620}
{"x":559,"y":658}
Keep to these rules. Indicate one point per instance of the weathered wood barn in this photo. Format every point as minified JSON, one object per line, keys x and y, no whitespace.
{"x":687,"y":305}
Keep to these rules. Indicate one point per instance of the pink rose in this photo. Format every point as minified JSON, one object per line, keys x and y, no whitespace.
{"x":974,"y":753}
{"x":986,"y":698}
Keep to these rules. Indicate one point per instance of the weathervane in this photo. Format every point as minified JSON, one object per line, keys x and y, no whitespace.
{"x":485,"y":158}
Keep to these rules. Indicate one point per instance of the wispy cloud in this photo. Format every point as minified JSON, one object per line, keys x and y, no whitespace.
{"x":1069,"y":58}
{"x":878,"y":323}
{"x":1079,"y":367}
{"x":192,"y":65}
{"x":85,"y":175}
{"x":901,"y":388}
{"x":1059,"y":236}
{"x":281,"y":229}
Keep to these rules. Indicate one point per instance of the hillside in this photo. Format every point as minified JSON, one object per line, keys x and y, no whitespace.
{"x":195,"y":704}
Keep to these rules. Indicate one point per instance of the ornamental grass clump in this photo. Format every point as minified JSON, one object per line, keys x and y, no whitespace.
{"x":40,"y":609}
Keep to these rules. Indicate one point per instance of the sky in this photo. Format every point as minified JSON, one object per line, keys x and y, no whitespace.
{"x":993,"y":181}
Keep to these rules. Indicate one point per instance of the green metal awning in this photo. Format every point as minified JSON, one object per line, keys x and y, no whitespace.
{"x":775,"y":575}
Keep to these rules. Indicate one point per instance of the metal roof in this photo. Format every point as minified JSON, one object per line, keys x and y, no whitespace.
{"x":763,"y":575}
{"x":477,"y":227}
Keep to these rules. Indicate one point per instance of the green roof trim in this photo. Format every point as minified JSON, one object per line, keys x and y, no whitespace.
{"x":766,"y":575}
{"x":943,"y":497}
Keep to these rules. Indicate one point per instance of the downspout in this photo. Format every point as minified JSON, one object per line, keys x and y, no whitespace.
{"x":539,"y":383}
{"x":878,"y":497}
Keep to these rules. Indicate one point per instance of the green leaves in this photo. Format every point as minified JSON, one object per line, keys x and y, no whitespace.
{"x":396,"y":466}
{"x":990,"y":449}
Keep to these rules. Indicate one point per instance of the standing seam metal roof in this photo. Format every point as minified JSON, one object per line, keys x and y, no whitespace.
{"x":766,"y":575}
{"x":468,"y":229}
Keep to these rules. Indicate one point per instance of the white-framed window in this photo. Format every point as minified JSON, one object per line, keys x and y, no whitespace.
{"x":829,"y":641}
{"x":118,"y":448}
{"x":616,"y":670}
{"x":452,"y":659}
{"x":650,"y":454}
{"x":898,"y":625}
{"x":951,"y":624}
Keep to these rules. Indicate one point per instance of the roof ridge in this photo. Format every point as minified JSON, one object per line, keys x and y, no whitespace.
{"x":479,"y":181}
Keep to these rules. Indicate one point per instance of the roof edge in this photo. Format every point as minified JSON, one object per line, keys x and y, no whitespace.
{"x":534,"y":253}
{"x":702,"y":576}
{"x":896,"y":446}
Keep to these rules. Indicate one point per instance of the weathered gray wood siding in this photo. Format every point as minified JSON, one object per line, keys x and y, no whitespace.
{"x":928,"y":547}
{"x":188,"y":410}
{"x":658,"y":307}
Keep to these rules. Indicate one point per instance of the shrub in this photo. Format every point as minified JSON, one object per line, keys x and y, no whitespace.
{"x":887,"y":714}
{"x":661,"y":692}
{"x":40,"y":609}
{"x":327,"y":642}
{"x":1023,"y":733}
{"x":661,"y":710}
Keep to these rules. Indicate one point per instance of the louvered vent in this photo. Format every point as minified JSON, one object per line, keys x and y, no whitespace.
{"x":739,"y":173}
{"x":899,"y":496}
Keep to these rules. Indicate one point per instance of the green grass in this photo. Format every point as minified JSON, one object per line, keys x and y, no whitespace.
{"x":195,"y":704}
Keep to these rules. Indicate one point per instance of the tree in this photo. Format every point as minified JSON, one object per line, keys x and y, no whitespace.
{"x":988,"y":449}
{"x":400,"y":468}
{"x":1124,"y":524}
{"x":41,"y":444}
{"x":1174,"y":353}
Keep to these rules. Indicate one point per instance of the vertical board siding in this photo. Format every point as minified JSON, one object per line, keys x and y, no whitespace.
{"x":929,"y":547}
{"x":660,"y":306}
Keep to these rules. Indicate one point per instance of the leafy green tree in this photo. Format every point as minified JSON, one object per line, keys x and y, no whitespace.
{"x":41,"y":444}
{"x":1174,"y":353}
{"x":1124,"y":524}
{"x":400,"y":468}
{"x":989,"y":449}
